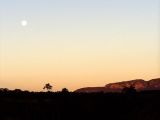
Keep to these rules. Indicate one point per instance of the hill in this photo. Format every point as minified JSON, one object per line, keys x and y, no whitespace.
{"x":139,"y":84}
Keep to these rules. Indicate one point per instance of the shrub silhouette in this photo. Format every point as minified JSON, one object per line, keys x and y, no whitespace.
{"x":4,"y":89}
{"x":129,"y":90}
{"x":65,"y":90}
{"x":17,"y":90}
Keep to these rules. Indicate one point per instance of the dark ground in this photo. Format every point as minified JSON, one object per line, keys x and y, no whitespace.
{"x":79,"y":106}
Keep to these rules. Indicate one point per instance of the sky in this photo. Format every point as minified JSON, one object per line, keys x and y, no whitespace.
{"x":77,"y":43}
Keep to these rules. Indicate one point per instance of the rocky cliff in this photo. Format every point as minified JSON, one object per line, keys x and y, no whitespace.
{"x":139,"y":84}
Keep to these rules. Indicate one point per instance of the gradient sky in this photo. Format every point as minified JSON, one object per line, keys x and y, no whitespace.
{"x":78,"y":43}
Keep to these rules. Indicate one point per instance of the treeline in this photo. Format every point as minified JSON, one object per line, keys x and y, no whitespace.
{"x":64,"y":105}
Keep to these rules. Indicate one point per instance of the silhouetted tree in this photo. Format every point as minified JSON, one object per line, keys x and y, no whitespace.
{"x":129,"y":90}
{"x":17,"y":90}
{"x":4,"y":89}
{"x":65,"y":90}
{"x":48,"y":87}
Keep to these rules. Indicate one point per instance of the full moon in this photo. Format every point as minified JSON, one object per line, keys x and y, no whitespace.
{"x":24,"y":23}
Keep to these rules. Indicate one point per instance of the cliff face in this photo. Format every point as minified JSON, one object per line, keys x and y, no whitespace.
{"x":154,"y":84}
{"x":139,"y":84}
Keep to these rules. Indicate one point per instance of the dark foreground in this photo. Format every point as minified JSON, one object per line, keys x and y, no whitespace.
{"x":74,"y":106}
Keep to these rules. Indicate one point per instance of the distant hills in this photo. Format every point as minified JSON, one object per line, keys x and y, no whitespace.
{"x":139,"y":84}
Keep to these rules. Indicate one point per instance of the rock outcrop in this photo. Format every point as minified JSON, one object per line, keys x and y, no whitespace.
{"x":139,"y":85}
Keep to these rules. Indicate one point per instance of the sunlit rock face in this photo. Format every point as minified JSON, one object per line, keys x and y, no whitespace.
{"x":154,"y":84}
{"x":139,"y":84}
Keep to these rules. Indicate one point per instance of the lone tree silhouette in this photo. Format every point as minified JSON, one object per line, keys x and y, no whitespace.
{"x":48,"y":87}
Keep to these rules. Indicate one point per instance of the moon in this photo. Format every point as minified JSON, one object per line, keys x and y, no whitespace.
{"x":24,"y":23}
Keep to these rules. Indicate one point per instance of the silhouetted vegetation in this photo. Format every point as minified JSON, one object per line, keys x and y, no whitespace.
{"x":65,"y":105}
{"x":65,"y":90}
{"x":129,"y":90}
{"x":47,"y":87}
